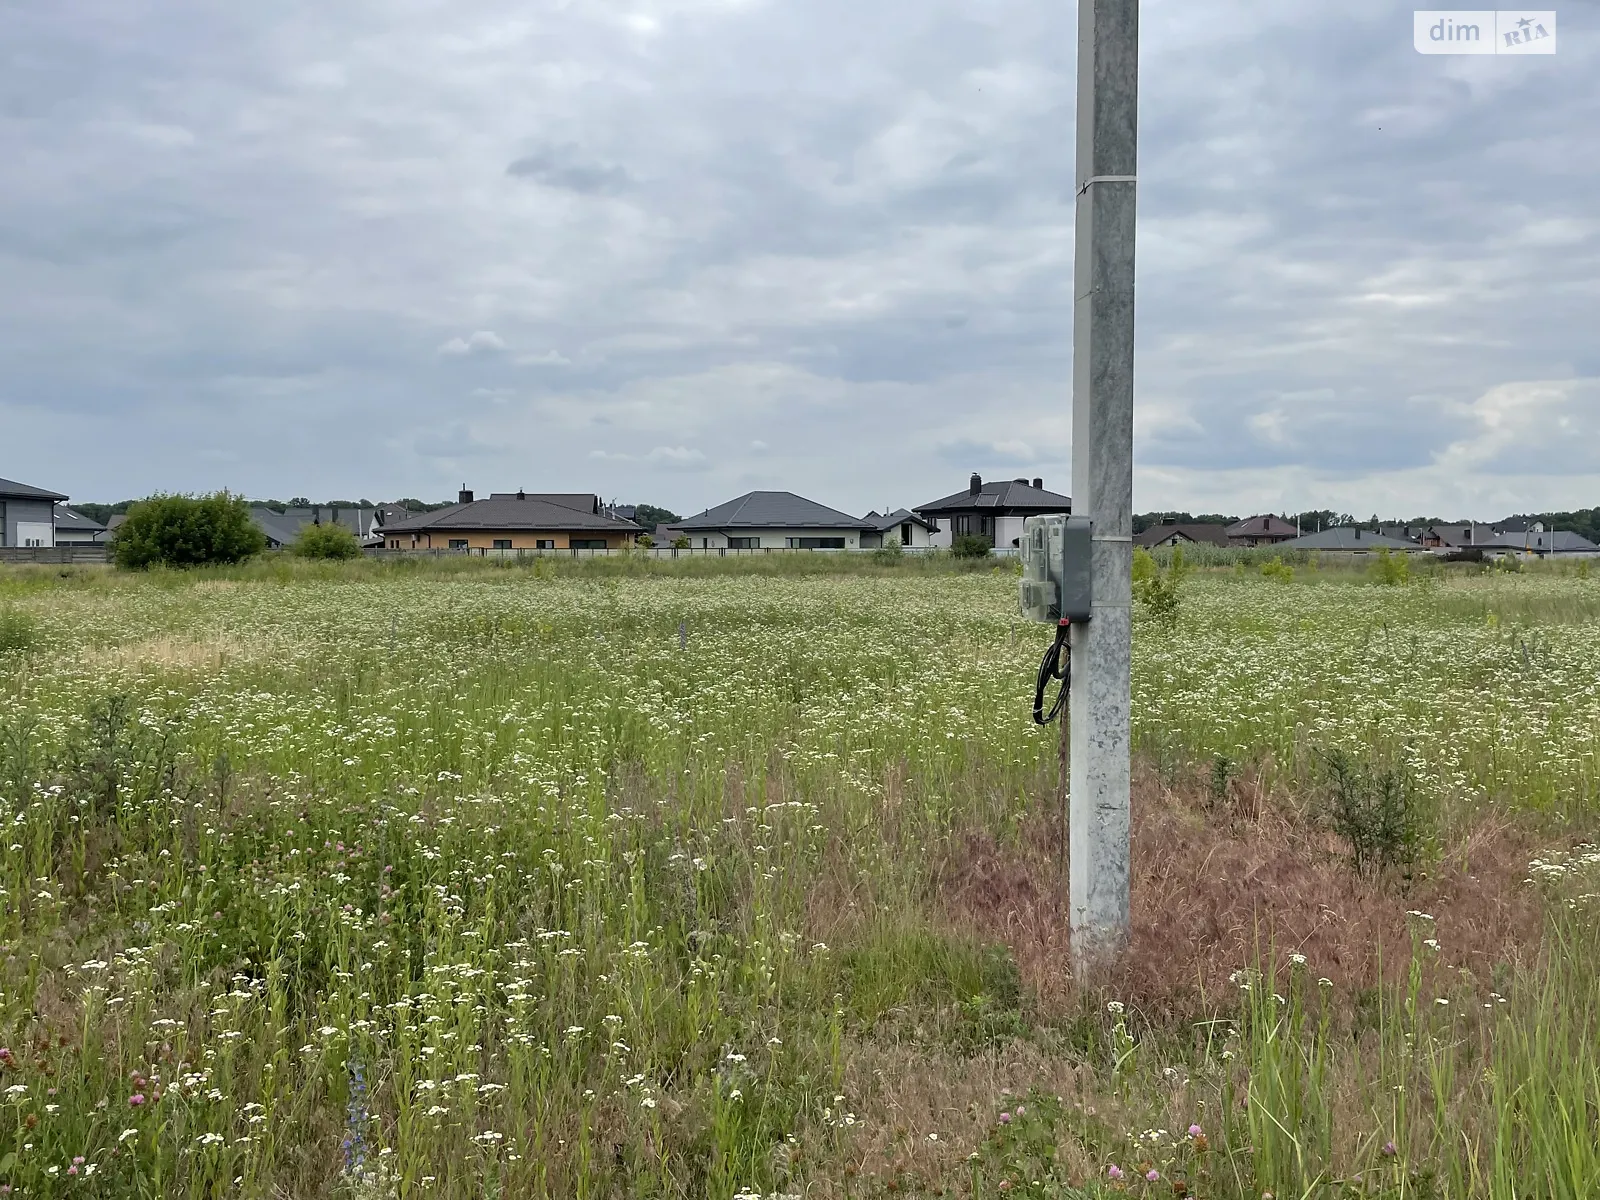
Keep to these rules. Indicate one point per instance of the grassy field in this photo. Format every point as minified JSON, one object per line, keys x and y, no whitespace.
{"x":617,"y":880}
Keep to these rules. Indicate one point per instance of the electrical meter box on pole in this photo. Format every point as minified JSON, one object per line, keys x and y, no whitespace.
{"x":1056,"y":570}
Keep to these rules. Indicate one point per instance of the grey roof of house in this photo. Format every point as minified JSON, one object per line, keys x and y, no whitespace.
{"x":1346,"y":537}
{"x":772,"y":510}
{"x":1007,"y":497}
{"x":10,"y":489}
{"x":282,"y":528}
{"x":1405,"y":533}
{"x":1261,"y":525}
{"x":506,"y":511}
{"x":883,"y":522}
{"x":1465,"y":535}
{"x":1213,"y":535}
{"x":1560,"y":541}
{"x":71,"y":518}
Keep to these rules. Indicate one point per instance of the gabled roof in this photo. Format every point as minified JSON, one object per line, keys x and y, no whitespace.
{"x":505,"y":511}
{"x":1559,"y":541}
{"x":70,"y":518}
{"x":771,"y":510}
{"x":282,"y":528}
{"x":1008,"y":497}
{"x":1346,"y":537}
{"x":1156,"y":535}
{"x":1405,"y":533}
{"x":1262,"y":525}
{"x":883,"y":522}
{"x":1465,"y":535}
{"x":10,"y":489}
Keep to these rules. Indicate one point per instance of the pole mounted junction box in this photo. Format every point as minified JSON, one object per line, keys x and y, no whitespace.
{"x":1056,"y":570}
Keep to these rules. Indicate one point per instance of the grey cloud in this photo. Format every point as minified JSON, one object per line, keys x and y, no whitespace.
{"x":565,"y":167}
{"x":834,"y":229}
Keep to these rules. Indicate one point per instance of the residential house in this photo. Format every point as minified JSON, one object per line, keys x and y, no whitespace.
{"x":1349,"y":539}
{"x":27,"y":514}
{"x":1261,"y":530}
{"x":1460,"y":537}
{"x":902,"y":525}
{"x":510,"y":521}
{"x":1173,"y":533}
{"x":1404,"y":533}
{"x":992,"y":511}
{"x":282,"y":528}
{"x":75,"y":529}
{"x":1545,"y":542}
{"x":774,"y":521}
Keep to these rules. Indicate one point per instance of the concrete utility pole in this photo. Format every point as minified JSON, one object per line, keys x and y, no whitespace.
{"x":1102,"y":473}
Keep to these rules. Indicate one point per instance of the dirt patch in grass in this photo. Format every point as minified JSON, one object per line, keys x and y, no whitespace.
{"x":1222,"y":885}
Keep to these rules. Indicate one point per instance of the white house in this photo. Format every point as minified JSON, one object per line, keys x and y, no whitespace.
{"x":775,"y":521}
{"x":75,"y":529}
{"x":902,"y":525}
{"x":992,"y":511}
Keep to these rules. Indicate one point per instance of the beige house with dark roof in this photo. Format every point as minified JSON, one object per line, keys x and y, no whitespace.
{"x":511,"y":521}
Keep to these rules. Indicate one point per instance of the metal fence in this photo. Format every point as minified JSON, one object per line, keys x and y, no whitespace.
{"x":654,"y":552}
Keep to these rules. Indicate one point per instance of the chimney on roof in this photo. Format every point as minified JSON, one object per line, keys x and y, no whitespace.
{"x":1038,"y":483}
{"x":975,"y":484}
{"x":521,"y":495}
{"x":464,"y":496}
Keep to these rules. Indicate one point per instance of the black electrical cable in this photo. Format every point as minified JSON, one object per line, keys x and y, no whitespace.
{"x":1056,"y":664}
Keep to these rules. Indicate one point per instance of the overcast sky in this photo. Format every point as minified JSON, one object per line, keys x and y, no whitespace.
{"x":672,"y":250}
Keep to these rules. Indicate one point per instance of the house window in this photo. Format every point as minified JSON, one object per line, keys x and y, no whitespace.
{"x":905,"y":534}
{"x":986,"y":526}
{"x":544,"y":543}
{"x":502,"y":543}
{"x":962,"y":524}
{"x":744,"y":543}
{"x":458,"y":543}
{"x":816,"y":543}
{"x":587,"y":543}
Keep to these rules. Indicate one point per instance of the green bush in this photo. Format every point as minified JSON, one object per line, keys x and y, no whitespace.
{"x":890,"y":552}
{"x":970,"y":545}
{"x":1279,"y":570}
{"x":325,"y":541}
{"x":1159,"y":591}
{"x":186,"y":531}
{"x":1392,"y":570}
{"x":1375,"y":809}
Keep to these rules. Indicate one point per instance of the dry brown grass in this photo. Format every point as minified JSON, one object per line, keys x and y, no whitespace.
{"x":1221,"y":885}
{"x":177,"y":653}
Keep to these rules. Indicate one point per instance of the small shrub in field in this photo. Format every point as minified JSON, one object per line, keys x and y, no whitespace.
{"x":645,"y":541}
{"x":1375,"y":809}
{"x":970,"y":545}
{"x":1156,"y":589}
{"x":325,"y":541}
{"x":17,"y":631}
{"x":1278,"y":569}
{"x":681,"y":542}
{"x":890,"y":552}
{"x":186,"y":531}
{"x":1391,"y":570}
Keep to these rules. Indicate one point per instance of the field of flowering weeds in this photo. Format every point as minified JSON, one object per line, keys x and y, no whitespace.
{"x":515,"y":883}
